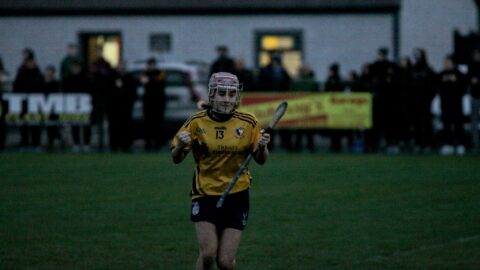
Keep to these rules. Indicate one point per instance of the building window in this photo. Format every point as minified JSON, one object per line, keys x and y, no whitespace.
{"x":288,"y":44}
{"x":160,"y":42}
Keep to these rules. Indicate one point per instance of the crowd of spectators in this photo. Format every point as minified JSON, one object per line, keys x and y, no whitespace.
{"x":402,"y":94}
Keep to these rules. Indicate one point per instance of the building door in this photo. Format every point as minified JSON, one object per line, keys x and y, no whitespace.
{"x":108,"y":44}
{"x":288,"y":44}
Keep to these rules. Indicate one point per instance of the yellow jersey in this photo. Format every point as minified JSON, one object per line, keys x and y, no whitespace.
{"x":219,"y":149}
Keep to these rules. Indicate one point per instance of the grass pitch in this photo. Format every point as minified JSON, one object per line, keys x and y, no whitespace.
{"x":131,"y":211}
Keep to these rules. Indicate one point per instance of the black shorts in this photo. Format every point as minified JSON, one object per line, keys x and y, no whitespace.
{"x":233,"y":213}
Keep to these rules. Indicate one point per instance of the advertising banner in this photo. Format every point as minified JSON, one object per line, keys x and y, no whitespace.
{"x":313,"y":110}
{"x":51,"y":109}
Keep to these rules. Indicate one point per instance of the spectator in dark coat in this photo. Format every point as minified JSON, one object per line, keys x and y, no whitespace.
{"x":244,"y":75}
{"x":3,"y":106}
{"x":154,"y":103}
{"x":223,"y":63}
{"x":72,"y":55}
{"x":274,"y":78}
{"x":29,"y":79}
{"x":120,"y":109}
{"x":335,"y":83}
{"x":102,"y":82}
{"x":424,"y":81}
{"x":52,"y":85}
{"x":383,"y":72}
{"x":452,"y":87}
{"x":474,"y":85}
{"x":406,"y":102}
{"x":305,"y":82}
{"x":77,"y":82}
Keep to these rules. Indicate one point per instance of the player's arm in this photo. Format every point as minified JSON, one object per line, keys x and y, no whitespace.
{"x":179,"y":152}
{"x":262,"y":152}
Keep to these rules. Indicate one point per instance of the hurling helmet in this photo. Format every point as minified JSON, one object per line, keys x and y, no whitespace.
{"x":223,"y":80}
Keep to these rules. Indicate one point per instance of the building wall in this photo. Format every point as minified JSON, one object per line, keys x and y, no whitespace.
{"x":430,"y":24}
{"x":350,"y":39}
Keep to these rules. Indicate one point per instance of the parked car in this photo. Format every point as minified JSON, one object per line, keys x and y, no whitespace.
{"x":186,"y":84}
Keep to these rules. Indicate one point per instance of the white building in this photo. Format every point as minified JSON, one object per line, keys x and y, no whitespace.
{"x":314,"y":32}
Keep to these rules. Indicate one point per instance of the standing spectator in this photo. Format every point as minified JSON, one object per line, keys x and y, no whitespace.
{"x":366,"y":80}
{"x":305,"y":82}
{"x":356,"y":136}
{"x":29,"y":79}
{"x":3,"y":127}
{"x":274,"y":78}
{"x":3,"y":106}
{"x":120,"y":109}
{"x":223,"y":63}
{"x":72,"y":55}
{"x":451,"y":88}
{"x":406,"y":101}
{"x":52,"y":85}
{"x":382,"y":71}
{"x":474,"y":83}
{"x":102,"y":82}
{"x":245,"y":76}
{"x":424,"y":81}
{"x":392,"y":106}
{"x":154,"y":102}
{"x":363,"y":141}
{"x":335,"y":83}
{"x":76,"y":82}
{"x":354,"y":83}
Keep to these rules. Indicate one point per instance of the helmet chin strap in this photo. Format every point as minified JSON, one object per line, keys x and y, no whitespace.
{"x":223,"y":113}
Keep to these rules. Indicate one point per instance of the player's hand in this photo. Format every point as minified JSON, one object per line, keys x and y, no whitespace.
{"x":264,"y":139}
{"x":185,"y":138}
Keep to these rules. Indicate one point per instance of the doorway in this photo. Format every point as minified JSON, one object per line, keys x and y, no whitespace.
{"x":110,"y":44}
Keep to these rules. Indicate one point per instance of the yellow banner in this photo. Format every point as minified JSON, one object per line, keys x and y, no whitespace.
{"x":313,"y":110}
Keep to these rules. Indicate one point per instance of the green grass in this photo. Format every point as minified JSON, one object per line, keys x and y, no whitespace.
{"x":131,"y":211}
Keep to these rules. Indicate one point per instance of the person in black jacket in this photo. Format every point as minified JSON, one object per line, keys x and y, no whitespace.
{"x":274,"y":78}
{"x":335,"y":83}
{"x":406,"y":102}
{"x":119,"y":107}
{"x":245,"y":76}
{"x":452,"y":87}
{"x":154,"y":103}
{"x":474,"y":85}
{"x":102,"y":83}
{"x":382,"y":74}
{"x":52,"y":85}
{"x":29,"y":79}
{"x":424,"y":81}
{"x":77,"y":82}
{"x":3,"y":106}
{"x":223,"y":63}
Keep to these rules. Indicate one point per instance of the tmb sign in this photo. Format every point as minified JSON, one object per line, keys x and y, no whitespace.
{"x":47,"y":109}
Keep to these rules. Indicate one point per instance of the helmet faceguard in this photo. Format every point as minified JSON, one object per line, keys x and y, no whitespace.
{"x":228,"y":82}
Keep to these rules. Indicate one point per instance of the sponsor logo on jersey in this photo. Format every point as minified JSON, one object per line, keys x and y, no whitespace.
{"x":239,"y":132}
{"x":244,"y":219}
{"x":195,"y":208}
{"x":200,"y":131}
